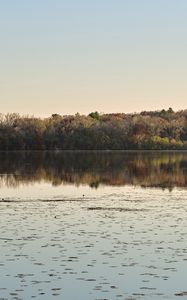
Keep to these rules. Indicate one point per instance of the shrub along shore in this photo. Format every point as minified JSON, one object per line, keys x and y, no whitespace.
{"x":148,"y":130}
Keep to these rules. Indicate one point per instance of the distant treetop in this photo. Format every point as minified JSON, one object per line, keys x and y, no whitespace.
{"x":94,"y":115}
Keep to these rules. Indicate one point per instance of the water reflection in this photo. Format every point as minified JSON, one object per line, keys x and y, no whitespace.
{"x":163,"y":170}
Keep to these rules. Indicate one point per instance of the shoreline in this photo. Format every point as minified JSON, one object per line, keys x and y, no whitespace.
{"x":99,"y":150}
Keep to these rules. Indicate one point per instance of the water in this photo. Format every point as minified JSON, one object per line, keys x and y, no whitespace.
{"x":93,"y":226}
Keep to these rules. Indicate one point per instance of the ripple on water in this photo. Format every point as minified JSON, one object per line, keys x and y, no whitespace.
{"x":79,"y":250}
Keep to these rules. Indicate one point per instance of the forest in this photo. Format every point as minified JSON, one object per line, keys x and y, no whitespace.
{"x":148,"y":130}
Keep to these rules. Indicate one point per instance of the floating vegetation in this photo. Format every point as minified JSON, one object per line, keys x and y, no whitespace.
{"x":120,"y":209}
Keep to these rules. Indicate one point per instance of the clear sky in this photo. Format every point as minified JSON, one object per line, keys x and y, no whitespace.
{"x":68,"y":56}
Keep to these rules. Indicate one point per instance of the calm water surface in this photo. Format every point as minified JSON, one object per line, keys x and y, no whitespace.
{"x":93,"y":226}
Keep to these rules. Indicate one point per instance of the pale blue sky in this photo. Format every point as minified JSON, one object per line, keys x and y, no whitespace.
{"x":71,"y":56}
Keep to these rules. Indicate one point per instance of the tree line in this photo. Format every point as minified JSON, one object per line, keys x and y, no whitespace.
{"x":148,"y":130}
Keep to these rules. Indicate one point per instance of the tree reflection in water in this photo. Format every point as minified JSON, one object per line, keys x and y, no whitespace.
{"x":146,"y":169}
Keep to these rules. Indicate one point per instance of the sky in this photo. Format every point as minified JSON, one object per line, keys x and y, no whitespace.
{"x":59,"y":56}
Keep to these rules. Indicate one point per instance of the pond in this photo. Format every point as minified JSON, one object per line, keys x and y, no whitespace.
{"x":93,"y":225}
